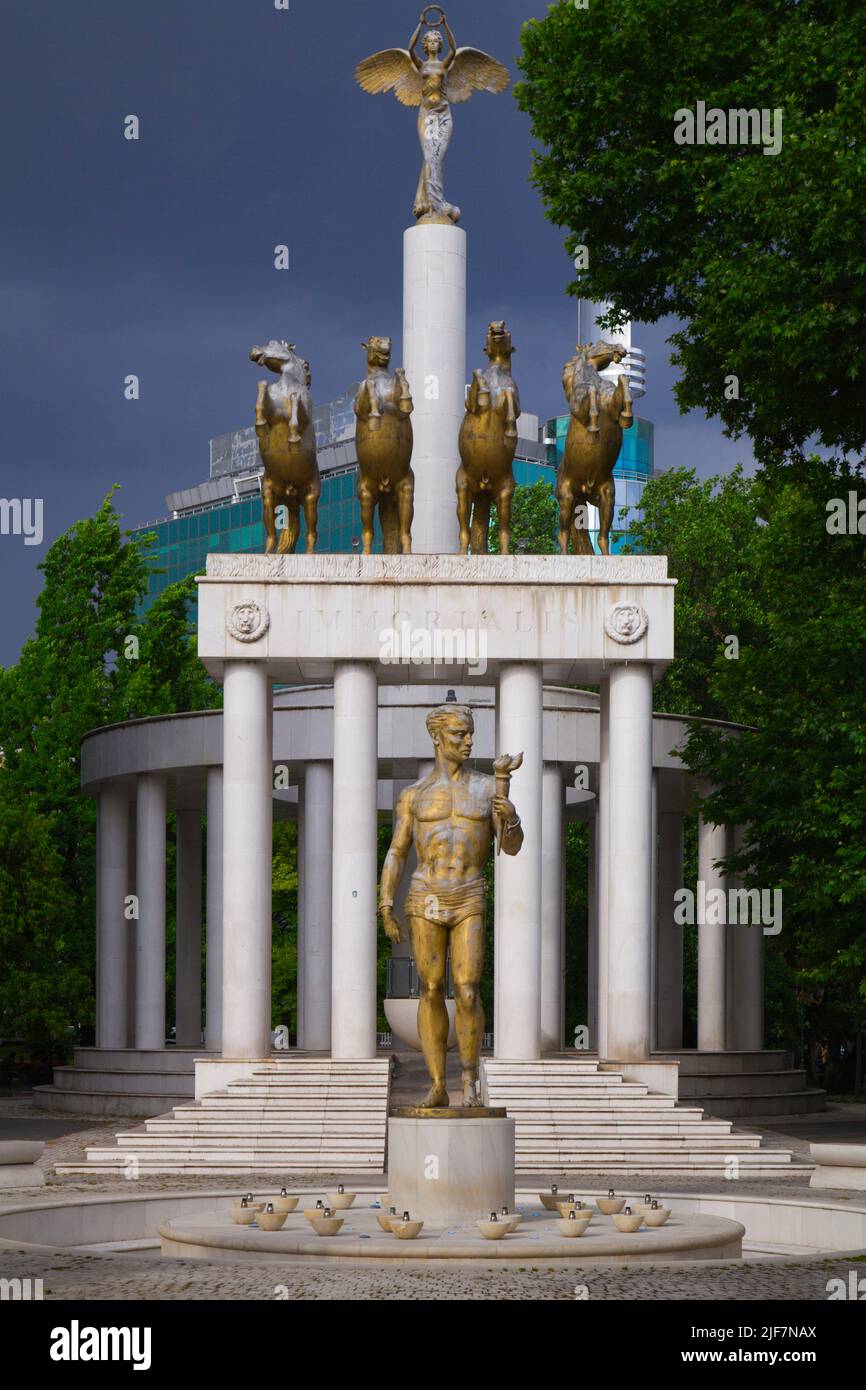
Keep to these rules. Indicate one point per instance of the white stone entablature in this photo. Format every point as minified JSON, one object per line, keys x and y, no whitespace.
{"x":433,"y":617}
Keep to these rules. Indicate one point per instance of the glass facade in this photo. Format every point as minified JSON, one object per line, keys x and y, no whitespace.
{"x":183,"y":543}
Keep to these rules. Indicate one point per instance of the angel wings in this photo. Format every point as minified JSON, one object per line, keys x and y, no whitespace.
{"x":392,"y":70}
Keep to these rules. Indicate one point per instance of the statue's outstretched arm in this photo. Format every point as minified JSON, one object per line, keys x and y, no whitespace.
{"x":449,"y":61}
{"x":412,"y":42}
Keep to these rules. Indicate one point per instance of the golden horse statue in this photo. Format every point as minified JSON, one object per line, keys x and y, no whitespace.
{"x":287,"y":444}
{"x":488,"y":440}
{"x":600,"y":411}
{"x":383,"y":441}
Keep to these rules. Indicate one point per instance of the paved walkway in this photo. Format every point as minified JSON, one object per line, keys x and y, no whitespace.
{"x":135,"y":1278}
{"x":145,"y":1276}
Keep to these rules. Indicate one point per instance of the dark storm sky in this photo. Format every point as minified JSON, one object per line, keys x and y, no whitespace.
{"x":156,"y":256}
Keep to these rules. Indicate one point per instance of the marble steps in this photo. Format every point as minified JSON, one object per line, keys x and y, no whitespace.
{"x":723,"y":1083}
{"x":750,"y":1107}
{"x":287,"y":1116}
{"x":556,"y":1129}
{"x":603,"y":1160}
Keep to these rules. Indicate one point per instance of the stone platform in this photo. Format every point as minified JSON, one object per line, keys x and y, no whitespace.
{"x":213,"y":1235}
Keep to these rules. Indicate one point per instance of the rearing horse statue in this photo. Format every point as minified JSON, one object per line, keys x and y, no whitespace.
{"x":488,"y":440}
{"x":287,"y":444}
{"x":600,"y":411}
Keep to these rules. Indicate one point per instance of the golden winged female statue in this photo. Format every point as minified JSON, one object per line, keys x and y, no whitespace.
{"x":433,"y":83}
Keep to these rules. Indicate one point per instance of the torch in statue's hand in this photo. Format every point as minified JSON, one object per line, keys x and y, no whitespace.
{"x":504,"y":813}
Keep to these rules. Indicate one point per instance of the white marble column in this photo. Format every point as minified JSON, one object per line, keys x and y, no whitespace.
{"x":150,"y":952}
{"x":316,"y":877}
{"x":214,"y":910}
{"x":746,"y":950}
{"x":301,"y":946}
{"x":654,"y":898}
{"x":712,"y":965}
{"x":188,"y":929}
{"x":630,"y":911}
{"x":669,"y":954}
{"x":490,"y":1024}
{"x":112,"y":927}
{"x":132,"y":924}
{"x":602,"y":877}
{"x":434,"y":357}
{"x":552,"y":943}
{"x":517,"y":1031}
{"x":353,"y":969}
{"x":247,"y":859}
{"x":591,"y":934}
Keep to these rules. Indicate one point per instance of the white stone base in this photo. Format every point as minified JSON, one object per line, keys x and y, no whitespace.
{"x":839,"y":1165}
{"x":18,"y":1163}
{"x":450,"y":1171}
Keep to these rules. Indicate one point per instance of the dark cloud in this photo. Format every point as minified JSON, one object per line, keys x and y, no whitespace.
{"x":156,"y":256}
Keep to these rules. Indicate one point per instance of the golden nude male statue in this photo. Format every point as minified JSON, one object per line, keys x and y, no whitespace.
{"x":452,"y":816}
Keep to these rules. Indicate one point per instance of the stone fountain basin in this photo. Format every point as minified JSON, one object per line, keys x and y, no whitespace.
{"x":800,"y":1226}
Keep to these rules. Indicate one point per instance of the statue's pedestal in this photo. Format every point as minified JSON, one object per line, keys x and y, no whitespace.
{"x":450,"y":1170}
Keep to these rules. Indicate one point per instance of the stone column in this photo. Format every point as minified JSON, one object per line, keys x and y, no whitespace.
{"x":592,"y":933}
{"x":317,"y":868}
{"x":712,"y":968}
{"x":353,"y":968}
{"x":602,"y":878}
{"x":434,"y":356}
{"x":188,"y":930}
{"x":669,"y":957}
{"x":654,"y":898}
{"x":248,"y":779}
{"x":112,"y":926}
{"x":517,"y":1031}
{"x":301,"y":951}
{"x":552,"y":944}
{"x":746,"y":945}
{"x":214,"y":939}
{"x":132,"y":924}
{"x":150,"y":952}
{"x":630,"y":829}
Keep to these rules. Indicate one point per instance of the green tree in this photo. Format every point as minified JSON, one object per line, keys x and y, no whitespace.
{"x":534,"y":520}
{"x":75,"y":674}
{"x":159,"y":671}
{"x":760,"y":257}
{"x":756,"y":562}
{"x":41,"y":975}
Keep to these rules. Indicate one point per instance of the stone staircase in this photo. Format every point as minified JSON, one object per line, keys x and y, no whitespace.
{"x":121,"y":1081}
{"x":572,"y":1117}
{"x":290,"y":1115}
{"x":744,"y":1085}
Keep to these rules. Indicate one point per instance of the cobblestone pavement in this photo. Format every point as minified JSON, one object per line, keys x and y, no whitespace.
{"x":145,"y":1276}
{"x":132,"y":1278}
